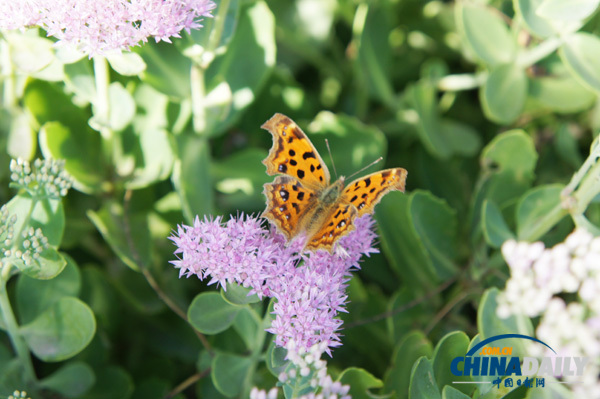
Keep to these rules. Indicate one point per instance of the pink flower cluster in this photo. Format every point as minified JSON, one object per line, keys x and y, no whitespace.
{"x":309,"y":287}
{"x":98,"y":27}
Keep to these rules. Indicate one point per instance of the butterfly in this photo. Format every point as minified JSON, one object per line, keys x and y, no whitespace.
{"x":302,"y":199}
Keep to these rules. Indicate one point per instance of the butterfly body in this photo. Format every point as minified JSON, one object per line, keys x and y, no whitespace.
{"x":302,"y":200}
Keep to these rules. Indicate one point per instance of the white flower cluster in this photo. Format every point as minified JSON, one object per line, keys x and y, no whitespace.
{"x":45,"y":177}
{"x":307,"y":365}
{"x":538,"y":276}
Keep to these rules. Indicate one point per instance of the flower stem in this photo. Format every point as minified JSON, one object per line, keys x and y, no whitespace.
{"x":217,"y":31}
{"x":102,"y":106}
{"x":12,"y":328}
{"x":542,"y":226}
{"x":539,"y":52}
{"x":6,"y":69}
{"x":198,"y":96}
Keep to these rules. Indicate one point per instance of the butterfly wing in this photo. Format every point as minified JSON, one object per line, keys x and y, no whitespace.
{"x":337,"y":224}
{"x":293,"y":154}
{"x":366,"y":192}
{"x":288,"y":204}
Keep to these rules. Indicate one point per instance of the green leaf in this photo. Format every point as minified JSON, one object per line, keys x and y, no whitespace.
{"x":29,"y":53}
{"x":46,"y":214}
{"x":450,"y":346}
{"x":512,"y":151}
{"x":238,"y":295}
{"x":449,"y":392}
{"x":80,"y":150}
{"x":248,"y":325}
{"x":353,"y":144}
{"x":71,"y":380}
{"x":122,"y":107}
{"x":485,"y":33}
{"x":539,"y":210}
{"x":275,"y":358}
{"x":489,"y":324}
{"x":61,"y":331}
{"x":423,"y":95}
{"x":574,"y":10}
{"x":132,"y":244}
{"x":111,"y":383}
{"x":210,"y":38}
{"x":155,"y":160}
{"x":561,"y":94}
{"x":436,"y":225}
{"x":412,"y":346}
{"x":167,"y":70}
{"x":536,"y":24}
{"x":567,"y":146}
{"x":360,"y":381}
{"x":374,"y":57}
{"x":495,"y":229}
{"x":34,"y":295}
{"x":239,"y":179}
{"x":22,"y":140}
{"x":126,"y":63}
{"x":401,"y":243}
{"x":209,"y":313}
{"x":504,"y":82}
{"x":191,"y":176}
{"x":422,"y":381}
{"x":253,"y":46}
{"x":460,"y":137}
{"x":47,"y":266}
{"x":229,"y":373}
{"x":581,"y":53}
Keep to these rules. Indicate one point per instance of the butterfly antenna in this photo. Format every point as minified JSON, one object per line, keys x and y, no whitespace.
{"x":366,"y":167}
{"x":331,"y":158}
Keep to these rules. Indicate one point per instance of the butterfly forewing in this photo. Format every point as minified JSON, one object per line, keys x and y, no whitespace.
{"x":366,"y":192}
{"x":293,"y":154}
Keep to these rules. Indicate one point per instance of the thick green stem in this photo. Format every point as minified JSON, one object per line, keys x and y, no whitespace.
{"x":102,"y":107}
{"x":219,"y":26}
{"x":198,"y":98}
{"x":9,"y":96}
{"x":542,"y":226}
{"x":534,"y":55}
{"x":12,"y":328}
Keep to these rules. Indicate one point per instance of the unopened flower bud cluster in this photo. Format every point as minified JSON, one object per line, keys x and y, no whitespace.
{"x":7,"y":229}
{"x":19,"y":395}
{"x":538,"y":276}
{"x":44,"y":177}
{"x":307,"y":364}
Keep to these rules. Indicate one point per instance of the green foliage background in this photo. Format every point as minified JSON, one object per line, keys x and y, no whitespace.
{"x":491,"y":106}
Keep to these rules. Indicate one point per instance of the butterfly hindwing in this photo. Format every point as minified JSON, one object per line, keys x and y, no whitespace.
{"x":339,"y":222}
{"x":293,"y":154}
{"x":287,"y":204}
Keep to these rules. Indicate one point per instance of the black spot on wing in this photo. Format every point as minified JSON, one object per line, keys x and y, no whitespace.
{"x":354,"y":198}
{"x":300,"y":195}
{"x":367,"y":182}
{"x":308,"y":154}
{"x":312,"y":168}
{"x":300,"y":173}
{"x":282,"y":168}
{"x":284,"y":194}
{"x":293,"y":162}
{"x":296,"y":207}
{"x":292,"y":153}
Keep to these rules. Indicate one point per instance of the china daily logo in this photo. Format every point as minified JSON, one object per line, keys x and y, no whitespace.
{"x":499,"y":362}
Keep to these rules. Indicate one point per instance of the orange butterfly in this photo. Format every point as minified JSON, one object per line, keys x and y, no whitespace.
{"x":302,"y":199}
